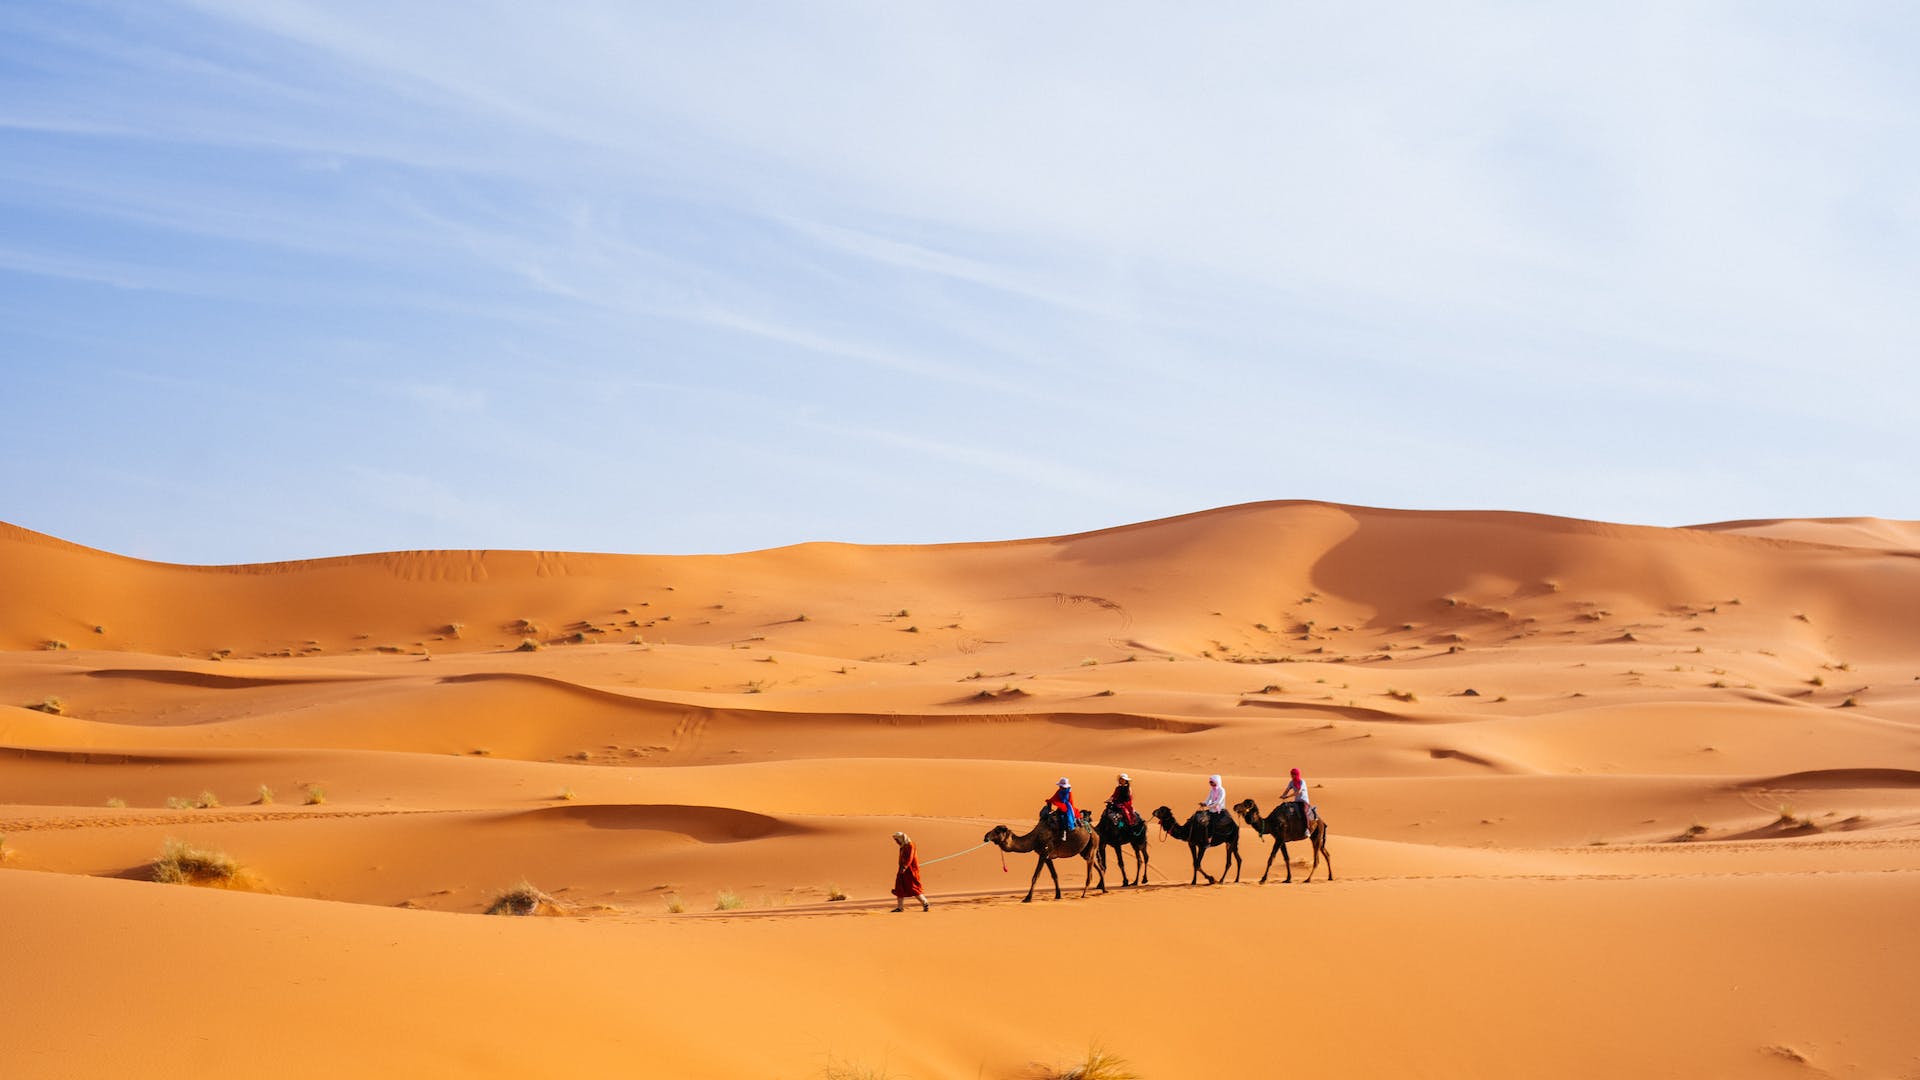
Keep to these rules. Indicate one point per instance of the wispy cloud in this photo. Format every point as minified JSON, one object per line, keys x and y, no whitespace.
{"x":1164,"y":252}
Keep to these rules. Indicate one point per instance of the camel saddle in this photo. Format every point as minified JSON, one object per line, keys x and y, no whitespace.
{"x":1293,"y":822}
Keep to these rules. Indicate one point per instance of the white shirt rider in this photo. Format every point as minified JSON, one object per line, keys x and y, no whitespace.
{"x":1216,"y":796}
{"x":1297,"y":792}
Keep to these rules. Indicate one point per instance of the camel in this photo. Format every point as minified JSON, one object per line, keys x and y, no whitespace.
{"x":1287,"y":822}
{"x":1113,"y":834}
{"x":1049,"y":844}
{"x":1224,"y":831}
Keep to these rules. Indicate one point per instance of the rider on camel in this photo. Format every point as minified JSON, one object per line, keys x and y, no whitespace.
{"x":1297,"y":792}
{"x":1061,"y":805}
{"x":1216,"y":804}
{"x":1121,"y":802}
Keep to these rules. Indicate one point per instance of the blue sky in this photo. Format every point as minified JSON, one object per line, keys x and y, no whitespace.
{"x":283,"y":279}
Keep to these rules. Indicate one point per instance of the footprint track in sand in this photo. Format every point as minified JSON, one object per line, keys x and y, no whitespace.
{"x":195,"y":817}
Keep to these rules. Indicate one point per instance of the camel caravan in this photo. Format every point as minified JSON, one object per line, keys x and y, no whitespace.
{"x":1065,"y":832}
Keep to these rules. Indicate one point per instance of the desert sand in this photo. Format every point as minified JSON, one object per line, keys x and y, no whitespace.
{"x":1603,"y":800}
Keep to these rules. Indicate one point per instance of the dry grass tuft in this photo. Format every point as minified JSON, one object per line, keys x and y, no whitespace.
{"x":116,"y":803}
{"x":522,"y":899}
{"x":316,"y":795}
{"x":264,"y":796}
{"x":1099,"y":1064}
{"x":528,"y":645}
{"x":728,"y":900}
{"x":835,"y":892}
{"x":207,"y":801}
{"x":52,"y":706}
{"x":180,"y":863}
{"x":675,"y":905}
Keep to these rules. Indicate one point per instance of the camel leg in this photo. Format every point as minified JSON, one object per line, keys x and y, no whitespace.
{"x":1198,"y":854}
{"x":1087,"y":881}
{"x":1036,"y":877}
{"x":1103,"y":873}
{"x":1140,"y":863}
{"x":1055,"y":874}
{"x":1278,"y":847}
{"x":1233,"y":860}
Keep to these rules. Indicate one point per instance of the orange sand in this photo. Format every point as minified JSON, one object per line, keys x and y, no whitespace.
{"x":1673,"y":829}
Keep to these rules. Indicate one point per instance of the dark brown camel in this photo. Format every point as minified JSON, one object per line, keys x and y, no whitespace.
{"x":1049,"y":844}
{"x":1199,"y":838}
{"x":1287,"y":822}
{"x":1120,"y":836}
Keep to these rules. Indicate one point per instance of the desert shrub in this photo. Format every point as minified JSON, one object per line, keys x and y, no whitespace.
{"x":522,"y":899}
{"x":728,"y":900}
{"x":835,"y":892}
{"x":1099,"y":1064}
{"x":207,"y":801}
{"x":264,"y":796}
{"x":316,"y":795}
{"x":528,"y":645}
{"x":180,"y":863}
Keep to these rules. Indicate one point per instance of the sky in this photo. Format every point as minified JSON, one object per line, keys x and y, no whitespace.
{"x":283,"y":279}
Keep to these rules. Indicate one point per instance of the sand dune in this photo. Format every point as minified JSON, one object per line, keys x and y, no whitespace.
{"x":1601,"y":797}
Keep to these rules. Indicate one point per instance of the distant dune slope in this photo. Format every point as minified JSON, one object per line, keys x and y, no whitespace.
{"x":1183,"y":583}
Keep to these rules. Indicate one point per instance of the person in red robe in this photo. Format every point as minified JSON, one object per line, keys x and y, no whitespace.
{"x":906,"y":880}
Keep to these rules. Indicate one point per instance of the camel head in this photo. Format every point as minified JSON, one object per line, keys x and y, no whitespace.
{"x":1246,"y":808}
{"x":998,"y":835}
{"x":1164,"y":815}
